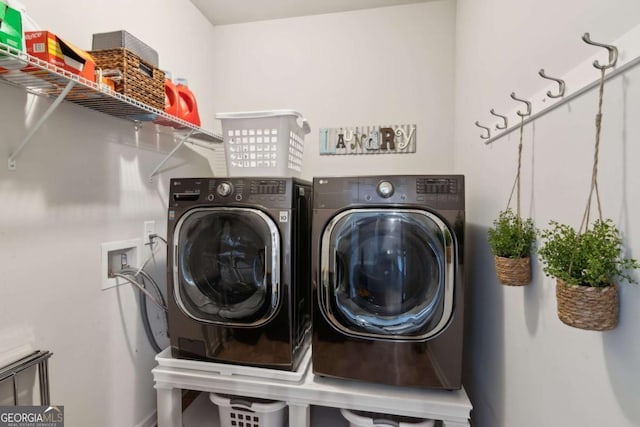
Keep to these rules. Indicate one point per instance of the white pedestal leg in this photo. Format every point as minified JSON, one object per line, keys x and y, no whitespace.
{"x":299,"y":415}
{"x":169,"y":407}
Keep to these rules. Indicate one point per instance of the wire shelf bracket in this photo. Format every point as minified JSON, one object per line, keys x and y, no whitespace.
{"x":178,"y":145}
{"x":38,"y":125}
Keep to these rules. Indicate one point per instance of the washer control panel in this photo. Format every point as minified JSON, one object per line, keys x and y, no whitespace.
{"x":226,"y":191}
{"x":268,"y":186}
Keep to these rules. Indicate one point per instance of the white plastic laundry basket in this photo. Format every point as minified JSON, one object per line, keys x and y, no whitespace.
{"x":264,"y":143}
{"x":249,"y":412}
{"x":369,"y":419}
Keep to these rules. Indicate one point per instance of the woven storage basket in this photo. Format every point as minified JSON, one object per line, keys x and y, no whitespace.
{"x":587,"y":307}
{"x":141,"y":81}
{"x":513,"y":271}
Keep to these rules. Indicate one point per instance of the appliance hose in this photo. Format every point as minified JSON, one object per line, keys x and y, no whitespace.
{"x":130,"y":275}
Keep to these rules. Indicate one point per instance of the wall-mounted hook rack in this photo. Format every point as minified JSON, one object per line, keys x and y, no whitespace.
{"x":561,"y":84}
{"x":526,"y":112}
{"x":487,"y":130}
{"x":613,"y":52}
{"x":581,"y":79}
{"x":505,"y":120}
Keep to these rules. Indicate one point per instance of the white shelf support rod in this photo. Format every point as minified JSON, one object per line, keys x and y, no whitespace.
{"x":180,"y":144}
{"x":38,"y":125}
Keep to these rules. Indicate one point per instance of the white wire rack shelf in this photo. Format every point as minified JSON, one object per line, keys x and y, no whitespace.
{"x":46,"y":79}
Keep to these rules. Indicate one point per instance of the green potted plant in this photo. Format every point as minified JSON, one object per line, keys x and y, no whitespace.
{"x":586,"y":267}
{"x":511,"y":239}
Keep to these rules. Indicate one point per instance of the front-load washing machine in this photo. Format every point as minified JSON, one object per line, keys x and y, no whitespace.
{"x":239,"y":270}
{"x":387,"y":279}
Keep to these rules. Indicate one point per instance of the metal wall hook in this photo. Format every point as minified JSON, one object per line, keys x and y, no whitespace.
{"x":488,"y":135}
{"x":559,"y":81}
{"x":613,"y":52}
{"x":504,"y":119}
{"x":528,"y":104}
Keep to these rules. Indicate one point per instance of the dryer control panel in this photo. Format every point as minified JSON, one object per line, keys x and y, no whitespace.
{"x":429,"y":185}
{"x":437,"y":191}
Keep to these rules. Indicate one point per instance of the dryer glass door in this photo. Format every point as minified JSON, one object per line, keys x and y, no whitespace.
{"x":388,"y":274}
{"x":226,"y":266}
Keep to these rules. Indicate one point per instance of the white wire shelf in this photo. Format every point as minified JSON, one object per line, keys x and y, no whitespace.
{"x":45,"y":79}
{"x":49,"y":80}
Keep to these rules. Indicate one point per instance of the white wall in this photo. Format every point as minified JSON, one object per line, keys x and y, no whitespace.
{"x":80,"y":182}
{"x":525,"y":368}
{"x":371,"y":67}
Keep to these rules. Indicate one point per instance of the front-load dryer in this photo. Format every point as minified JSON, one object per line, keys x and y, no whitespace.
{"x":387,"y":279}
{"x":239,"y":270}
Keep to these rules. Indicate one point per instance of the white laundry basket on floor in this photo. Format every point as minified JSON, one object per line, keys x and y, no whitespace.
{"x":264,"y":143}
{"x":370,"y":419}
{"x":249,"y":412}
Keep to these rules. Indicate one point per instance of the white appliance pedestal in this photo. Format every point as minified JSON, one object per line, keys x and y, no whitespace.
{"x":173,"y":375}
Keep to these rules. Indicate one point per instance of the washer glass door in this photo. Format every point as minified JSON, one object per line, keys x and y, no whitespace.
{"x":226,"y":266}
{"x":387,"y":274}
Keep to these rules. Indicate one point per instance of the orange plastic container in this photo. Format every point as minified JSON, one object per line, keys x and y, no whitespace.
{"x":171,"y":104}
{"x":187,"y":106}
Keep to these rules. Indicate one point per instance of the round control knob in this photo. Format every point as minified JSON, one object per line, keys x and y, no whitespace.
{"x":224,"y":189}
{"x":385,"y":189}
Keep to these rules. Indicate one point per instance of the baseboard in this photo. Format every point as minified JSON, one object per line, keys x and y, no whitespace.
{"x":150,"y":421}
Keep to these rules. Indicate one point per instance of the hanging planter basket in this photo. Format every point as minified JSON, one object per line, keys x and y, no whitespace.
{"x":587,"y":307}
{"x":512,"y":235}
{"x":513,"y":271}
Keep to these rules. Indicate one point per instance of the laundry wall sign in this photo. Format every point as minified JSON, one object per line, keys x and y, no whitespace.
{"x":388,"y":139}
